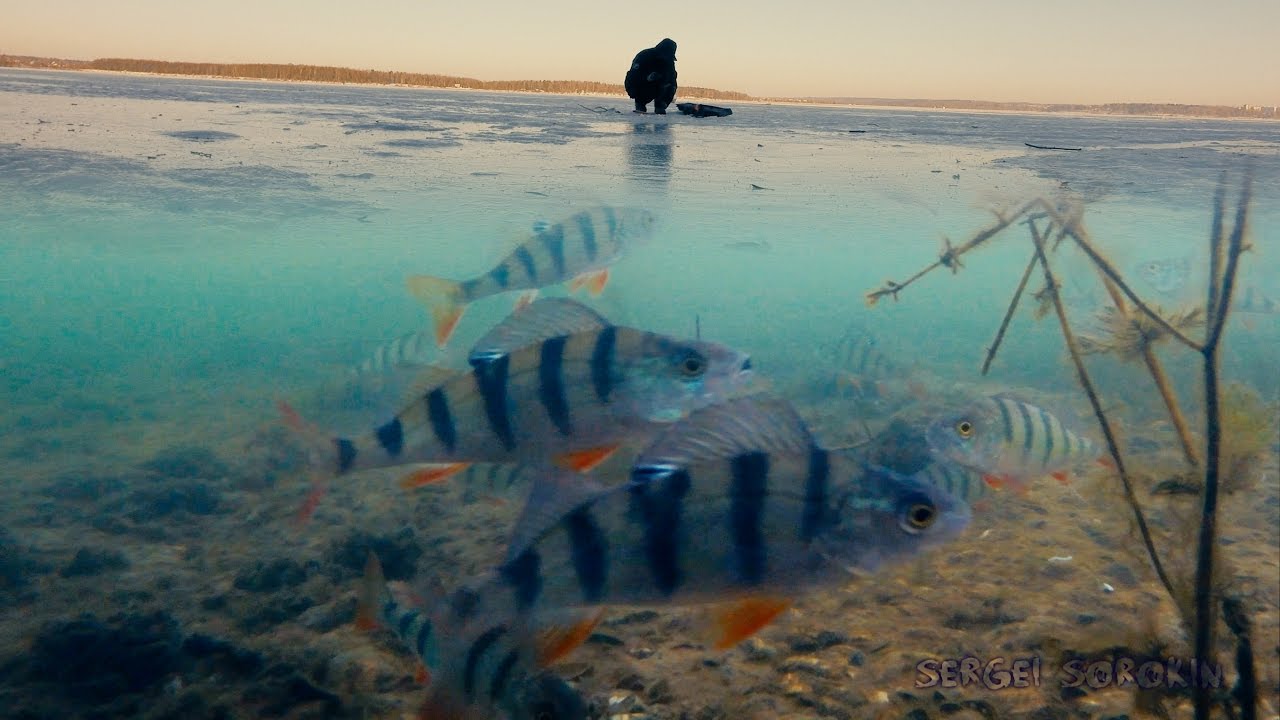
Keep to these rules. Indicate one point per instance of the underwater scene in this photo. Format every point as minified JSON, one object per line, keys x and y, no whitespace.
{"x":325,"y":401}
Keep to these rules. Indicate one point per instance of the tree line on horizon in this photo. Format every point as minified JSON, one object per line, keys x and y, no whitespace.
{"x":329,"y":73}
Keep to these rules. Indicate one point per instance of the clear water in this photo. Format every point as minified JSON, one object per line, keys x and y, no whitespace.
{"x":177,"y":253}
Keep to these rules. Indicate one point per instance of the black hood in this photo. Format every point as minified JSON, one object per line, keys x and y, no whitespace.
{"x":667,"y":47}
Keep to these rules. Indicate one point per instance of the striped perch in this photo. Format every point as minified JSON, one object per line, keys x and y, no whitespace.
{"x":479,"y":667}
{"x":1009,"y":441}
{"x":578,"y":250}
{"x":554,"y":380}
{"x":737,"y":503}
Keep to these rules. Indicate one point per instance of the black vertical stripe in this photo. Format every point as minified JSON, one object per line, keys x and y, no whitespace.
{"x":587,"y":547}
{"x":391,"y":437}
{"x":526,"y":259}
{"x":1027,"y":428}
{"x":406,"y":622}
{"x":491,"y":381}
{"x":501,"y":275}
{"x":657,"y":495}
{"x":588,"y":230}
{"x":502,"y":674}
{"x":524,"y":575}
{"x":469,"y":286}
{"x":441,"y":419}
{"x":346,"y":454}
{"x":611,"y":221}
{"x":815,"y":494}
{"x":1008,"y":421}
{"x":602,"y":362}
{"x":750,"y":472}
{"x":553,"y":238}
{"x":474,"y":655}
{"x":551,"y":384}
{"x":1048,"y":437}
{"x":424,"y":634}
{"x":964,"y":484}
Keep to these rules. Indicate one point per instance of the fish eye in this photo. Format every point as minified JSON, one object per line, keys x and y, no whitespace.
{"x":919,"y":517}
{"x":965,"y":428}
{"x":692,"y":364}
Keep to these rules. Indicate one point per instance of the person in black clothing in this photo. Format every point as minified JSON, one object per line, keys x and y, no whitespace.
{"x":652,"y":77}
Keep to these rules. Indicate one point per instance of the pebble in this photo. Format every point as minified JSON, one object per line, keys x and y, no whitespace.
{"x":810,"y":665}
{"x":624,"y":703}
{"x":857,"y":659}
{"x":640,"y":653}
{"x":660,"y":692}
{"x":631,"y":682}
{"x":758,"y":650}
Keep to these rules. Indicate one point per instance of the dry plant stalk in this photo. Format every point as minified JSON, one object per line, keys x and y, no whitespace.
{"x":1142,"y":327}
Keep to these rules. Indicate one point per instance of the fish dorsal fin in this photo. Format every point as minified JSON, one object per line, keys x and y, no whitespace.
{"x":555,"y":493}
{"x":540,"y":320}
{"x":759,"y":423}
{"x":430,"y":378}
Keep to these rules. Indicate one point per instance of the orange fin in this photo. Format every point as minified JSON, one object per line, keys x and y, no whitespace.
{"x":1107,"y":462}
{"x":371,"y":588}
{"x":318,"y":490}
{"x":594,"y":282}
{"x":291,"y":418}
{"x":1061,"y":476}
{"x":431,"y":473}
{"x":525,"y":300}
{"x":994,"y":481}
{"x":585,"y":460}
{"x":557,"y":641}
{"x":446,"y":319}
{"x":421,"y":675}
{"x":744,"y":618}
{"x":596,"y":285}
{"x":443,"y":298}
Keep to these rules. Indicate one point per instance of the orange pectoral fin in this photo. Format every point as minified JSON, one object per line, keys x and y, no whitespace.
{"x":556,"y":642}
{"x":1061,"y":476}
{"x":431,"y":474}
{"x":994,"y":481}
{"x":585,"y":460}
{"x":596,"y":285}
{"x":740,"y":620}
{"x":421,"y":675}
{"x":525,"y":300}
{"x":1107,"y":462}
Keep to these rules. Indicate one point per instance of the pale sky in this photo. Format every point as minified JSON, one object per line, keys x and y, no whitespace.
{"x":1086,"y":51}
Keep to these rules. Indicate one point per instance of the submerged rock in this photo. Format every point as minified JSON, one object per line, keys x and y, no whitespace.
{"x":271,"y":576}
{"x":18,"y":564}
{"x":88,"y":561}
{"x":187,"y":463}
{"x":95,"y":661}
{"x":154,"y":503}
{"x":398,"y":553}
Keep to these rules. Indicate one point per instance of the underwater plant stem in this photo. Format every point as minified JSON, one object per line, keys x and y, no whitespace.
{"x":1008,"y":315}
{"x":1156,"y":368}
{"x":1087,"y":384}
{"x":1221,"y":306}
{"x":1246,"y":689}
{"x":1081,"y":238}
{"x":952,"y":253}
{"x":1215,"y":249}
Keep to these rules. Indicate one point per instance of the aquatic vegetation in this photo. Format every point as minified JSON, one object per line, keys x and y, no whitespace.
{"x":1249,"y":430}
{"x":1129,"y":336}
{"x":1196,"y":589}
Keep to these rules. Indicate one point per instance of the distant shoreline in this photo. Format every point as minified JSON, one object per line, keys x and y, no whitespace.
{"x":829,"y":103}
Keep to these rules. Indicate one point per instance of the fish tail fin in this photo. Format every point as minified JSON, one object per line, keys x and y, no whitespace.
{"x":321,"y":448}
{"x":372,"y":588}
{"x":443,"y":298}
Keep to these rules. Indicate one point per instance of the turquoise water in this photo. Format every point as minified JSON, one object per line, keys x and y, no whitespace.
{"x":175,"y":254}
